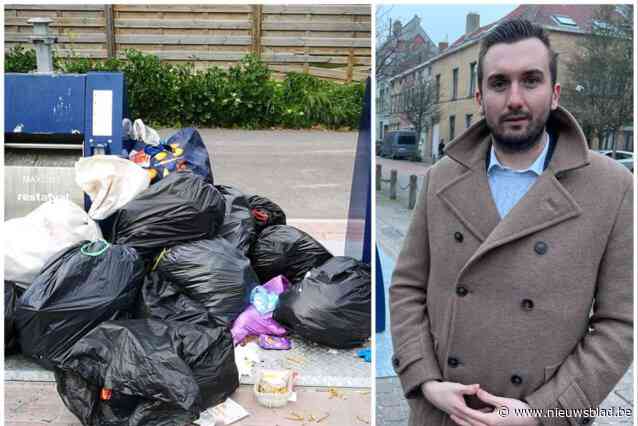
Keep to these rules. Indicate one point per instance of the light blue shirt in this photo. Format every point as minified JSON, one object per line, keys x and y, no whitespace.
{"x":509,"y":186}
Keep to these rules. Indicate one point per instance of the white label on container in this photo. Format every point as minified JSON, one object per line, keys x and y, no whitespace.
{"x":102,"y":113}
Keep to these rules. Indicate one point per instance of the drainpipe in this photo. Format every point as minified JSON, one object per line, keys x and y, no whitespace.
{"x":43,"y":41}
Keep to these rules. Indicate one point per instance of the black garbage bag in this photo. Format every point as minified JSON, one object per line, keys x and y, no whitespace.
{"x":213,"y":273}
{"x":160,"y":299}
{"x":147,"y":372}
{"x":285,"y":250}
{"x":76,"y":291}
{"x":265,"y":212}
{"x":331,"y":306}
{"x":239,"y":226}
{"x":11,"y":295}
{"x":181,"y":207}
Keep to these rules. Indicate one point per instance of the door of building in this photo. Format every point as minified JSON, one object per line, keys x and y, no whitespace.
{"x":435,"y":141}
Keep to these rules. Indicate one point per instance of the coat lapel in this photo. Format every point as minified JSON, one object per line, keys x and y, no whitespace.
{"x":468,"y":195}
{"x":469,"y":198}
{"x":547,"y":203}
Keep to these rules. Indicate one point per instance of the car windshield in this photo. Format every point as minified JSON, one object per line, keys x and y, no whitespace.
{"x":406,"y":140}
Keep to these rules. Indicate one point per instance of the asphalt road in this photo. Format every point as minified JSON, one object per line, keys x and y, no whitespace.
{"x":308,"y":173}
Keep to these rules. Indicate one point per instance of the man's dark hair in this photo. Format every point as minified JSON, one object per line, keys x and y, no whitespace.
{"x":510,"y":32}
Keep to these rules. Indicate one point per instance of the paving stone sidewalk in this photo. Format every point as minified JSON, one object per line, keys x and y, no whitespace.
{"x":38,"y":403}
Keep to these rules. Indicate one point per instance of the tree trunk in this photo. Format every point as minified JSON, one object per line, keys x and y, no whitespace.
{"x":426,"y":152}
{"x":417,"y":130}
{"x":589,"y":136}
{"x":600,"y":135}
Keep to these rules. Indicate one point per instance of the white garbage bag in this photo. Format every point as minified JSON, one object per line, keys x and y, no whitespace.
{"x":144,"y":133}
{"x":127,"y":129}
{"x":30,"y":241}
{"x":110,"y":182}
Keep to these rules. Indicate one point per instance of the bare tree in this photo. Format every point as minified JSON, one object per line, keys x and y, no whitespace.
{"x":601,"y":89}
{"x":418,"y":105}
{"x":387,"y":42}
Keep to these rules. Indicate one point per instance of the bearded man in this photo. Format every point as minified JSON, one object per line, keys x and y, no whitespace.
{"x":513,"y":290}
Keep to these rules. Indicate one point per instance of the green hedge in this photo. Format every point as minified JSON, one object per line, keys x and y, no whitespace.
{"x":244,"y":96}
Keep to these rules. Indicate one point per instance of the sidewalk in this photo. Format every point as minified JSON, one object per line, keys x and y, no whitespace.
{"x":38,"y":403}
{"x":31,"y":397}
{"x":392,"y":221}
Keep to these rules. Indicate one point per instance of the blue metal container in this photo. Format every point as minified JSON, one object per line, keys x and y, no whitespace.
{"x":54,"y":108}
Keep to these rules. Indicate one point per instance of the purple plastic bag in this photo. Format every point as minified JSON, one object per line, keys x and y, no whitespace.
{"x":278,"y":285}
{"x":252,"y":323}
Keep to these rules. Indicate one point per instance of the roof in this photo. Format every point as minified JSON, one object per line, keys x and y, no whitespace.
{"x":411,"y":30}
{"x":542,"y":14}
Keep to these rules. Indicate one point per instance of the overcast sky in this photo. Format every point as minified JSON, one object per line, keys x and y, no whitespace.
{"x":441,"y":21}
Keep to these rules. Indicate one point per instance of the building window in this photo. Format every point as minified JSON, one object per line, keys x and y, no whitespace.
{"x":629,"y":140}
{"x":452,"y":123}
{"x":455,"y":83}
{"x":564,"y":21}
{"x":623,"y":9}
{"x":438,"y":87}
{"x":608,"y":140}
{"x":472,"y":79}
{"x":468,"y":120}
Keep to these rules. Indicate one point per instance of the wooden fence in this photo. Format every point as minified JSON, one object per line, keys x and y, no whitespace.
{"x":328,"y":41}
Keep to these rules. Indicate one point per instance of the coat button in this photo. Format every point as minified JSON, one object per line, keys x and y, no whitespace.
{"x":453,"y":362}
{"x":458,"y":237}
{"x":585,"y":420}
{"x":461,"y":291}
{"x":527,"y":305}
{"x":540,"y":247}
{"x":395,"y":362}
{"x":516,"y":380}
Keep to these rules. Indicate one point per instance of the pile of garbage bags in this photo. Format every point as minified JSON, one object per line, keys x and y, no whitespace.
{"x":137,"y":305}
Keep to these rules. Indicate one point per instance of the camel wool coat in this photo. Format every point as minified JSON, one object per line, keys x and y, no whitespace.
{"x":536,"y":306}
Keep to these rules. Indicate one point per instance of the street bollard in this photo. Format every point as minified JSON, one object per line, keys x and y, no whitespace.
{"x":379,"y":177}
{"x":412,"y":200}
{"x":393,"y":184}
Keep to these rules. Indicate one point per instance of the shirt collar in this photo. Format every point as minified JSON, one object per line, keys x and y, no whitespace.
{"x":536,"y":167}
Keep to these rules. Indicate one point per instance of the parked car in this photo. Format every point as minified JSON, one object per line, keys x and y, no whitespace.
{"x":626,"y":158}
{"x":400,"y":144}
